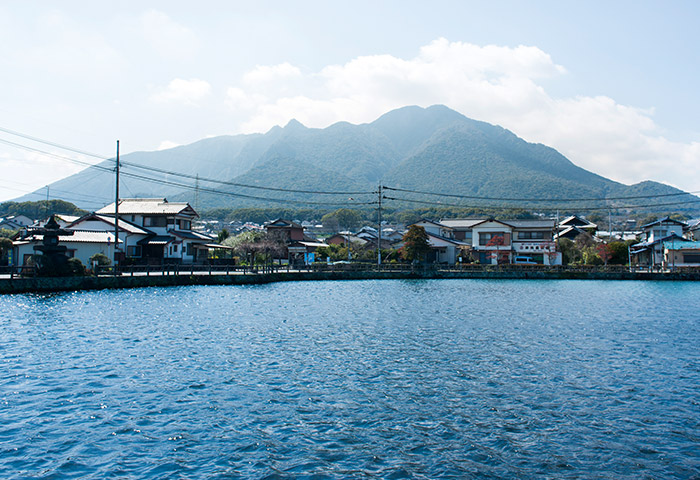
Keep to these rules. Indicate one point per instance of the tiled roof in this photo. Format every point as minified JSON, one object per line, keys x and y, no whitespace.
{"x":189,"y":235}
{"x":663,"y":220}
{"x":156,"y":240}
{"x":79,"y":236}
{"x":124,"y":225}
{"x":148,"y":206}
{"x":530,"y":223}
{"x":461,"y":222}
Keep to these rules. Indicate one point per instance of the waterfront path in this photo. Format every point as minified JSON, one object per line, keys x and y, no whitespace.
{"x":137,"y":277}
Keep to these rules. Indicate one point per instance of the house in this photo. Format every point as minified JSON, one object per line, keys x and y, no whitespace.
{"x":443,"y":246}
{"x":692,"y":230}
{"x":534,"y":239}
{"x":346,"y":238}
{"x":500,"y":241}
{"x":662,"y":228}
{"x":573,"y":226}
{"x":15,"y":222}
{"x":62,"y":220}
{"x":371,"y":236}
{"x":129,"y":234}
{"x":681,"y":253}
{"x":169,"y":236}
{"x":650,"y":251}
{"x":299,"y":247}
{"x":81,"y":244}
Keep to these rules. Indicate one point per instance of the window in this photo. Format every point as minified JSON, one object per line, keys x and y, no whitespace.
{"x":691,"y":258}
{"x":133,"y":251}
{"x":175,"y":248}
{"x":185,"y":224}
{"x":530,"y":235}
{"x":154,"y":222}
{"x":190,"y":249}
{"x":486,"y":237}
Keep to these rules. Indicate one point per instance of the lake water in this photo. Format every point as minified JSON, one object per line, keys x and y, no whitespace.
{"x":365,"y":379}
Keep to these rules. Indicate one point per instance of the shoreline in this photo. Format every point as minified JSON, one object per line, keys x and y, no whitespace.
{"x":63,"y":284}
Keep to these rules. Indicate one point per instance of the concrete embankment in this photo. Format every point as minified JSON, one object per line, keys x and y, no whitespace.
{"x":39,"y":284}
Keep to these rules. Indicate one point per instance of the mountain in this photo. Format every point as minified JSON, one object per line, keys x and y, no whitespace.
{"x":409,"y":150}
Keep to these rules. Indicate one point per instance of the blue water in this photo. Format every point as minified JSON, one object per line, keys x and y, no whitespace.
{"x":367,"y":379}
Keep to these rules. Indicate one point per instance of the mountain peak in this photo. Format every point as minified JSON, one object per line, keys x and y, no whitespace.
{"x":294,"y":125}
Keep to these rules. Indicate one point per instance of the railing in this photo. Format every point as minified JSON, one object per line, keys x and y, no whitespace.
{"x":227,"y":269}
{"x":13,"y":271}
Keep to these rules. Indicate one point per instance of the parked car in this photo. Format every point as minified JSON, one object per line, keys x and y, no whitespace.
{"x":524,"y":261}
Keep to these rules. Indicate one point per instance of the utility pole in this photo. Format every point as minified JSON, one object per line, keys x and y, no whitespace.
{"x":196,"y":194}
{"x":116,"y":211}
{"x":379,"y":240}
{"x":47,"y":203}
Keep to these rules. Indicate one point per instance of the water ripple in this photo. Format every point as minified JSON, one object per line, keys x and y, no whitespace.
{"x":370,"y":379}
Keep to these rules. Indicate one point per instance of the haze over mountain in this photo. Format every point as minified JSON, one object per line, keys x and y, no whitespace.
{"x":431,"y":149}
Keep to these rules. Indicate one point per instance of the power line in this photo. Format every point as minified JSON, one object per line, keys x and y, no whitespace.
{"x":474,"y":197}
{"x":501,"y":207}
{"x":53,"y":144}
{"x":317,"y":192}
{"x":169,"y":172}
{"x":209,"y":190}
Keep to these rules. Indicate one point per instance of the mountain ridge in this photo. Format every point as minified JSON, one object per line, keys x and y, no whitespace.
{"x":423,"y":149}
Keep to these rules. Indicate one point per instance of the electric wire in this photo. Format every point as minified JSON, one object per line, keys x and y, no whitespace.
{"x":474,"y":197}
{"x":320,"y":192}
{"x":502,"y":207}
{"x":191,"y":187}
{"x":170,"y":172}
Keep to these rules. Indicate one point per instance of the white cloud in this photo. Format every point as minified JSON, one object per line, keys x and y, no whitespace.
{"x":500,"y":85}
{"x":167,"y":37}
{"x":188,"y":92}
{"x":268,"y":73}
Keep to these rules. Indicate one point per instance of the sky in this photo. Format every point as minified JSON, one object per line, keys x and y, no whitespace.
{"x":611,"y":85}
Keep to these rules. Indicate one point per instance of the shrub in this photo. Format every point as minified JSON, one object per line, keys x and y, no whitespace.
{"x":100,"y":258}
{"x":76,"y":267}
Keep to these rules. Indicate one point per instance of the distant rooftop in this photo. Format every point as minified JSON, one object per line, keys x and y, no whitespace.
{"x":148,"y":206}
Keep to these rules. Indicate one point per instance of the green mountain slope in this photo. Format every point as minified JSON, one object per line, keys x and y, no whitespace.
{"x":431,"y":149}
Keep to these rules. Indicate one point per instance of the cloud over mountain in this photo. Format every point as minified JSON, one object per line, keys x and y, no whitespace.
{"x":500,"y":85}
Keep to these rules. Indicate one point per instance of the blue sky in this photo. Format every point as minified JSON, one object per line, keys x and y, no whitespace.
{"x":609,"y":84}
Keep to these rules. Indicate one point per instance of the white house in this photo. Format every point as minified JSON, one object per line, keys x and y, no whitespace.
{"x":170,"y":236}
{"x":81,"y":245}
{"x":502,"y":241}
{"x":444,"y":247}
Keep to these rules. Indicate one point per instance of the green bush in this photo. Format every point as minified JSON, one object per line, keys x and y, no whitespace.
{"x":76,"y":267}
{"x":100,"y":258}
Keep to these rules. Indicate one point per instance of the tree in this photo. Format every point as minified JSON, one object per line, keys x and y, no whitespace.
{"x":416,"y":244}
{"x":570,"y":252}
{"x":342,"y":219}
{"x":604,"y":252}
{"x":223,"y":235}
{"x":5,"y":247}
{"x":618,"y":253}
{"x":245,"y":244}
{"x":498,"y":241}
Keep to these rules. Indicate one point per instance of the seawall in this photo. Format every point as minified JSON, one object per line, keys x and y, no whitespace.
{"x":58,"y":284}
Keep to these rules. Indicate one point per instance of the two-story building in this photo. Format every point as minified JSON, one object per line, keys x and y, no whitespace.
{"x":169,"y":239}
{"x":650,"y":251}
{"x":300,"y":247}
{"x":492,"y":241}
{"x":444,"y":248}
